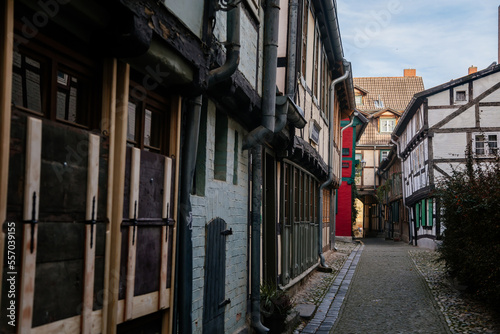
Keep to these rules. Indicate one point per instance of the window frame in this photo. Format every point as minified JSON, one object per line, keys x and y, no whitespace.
{"x":489,"y":146}
{"x":382,"y":125}
{"x":55,"y":57}
{"x":157,"y":103}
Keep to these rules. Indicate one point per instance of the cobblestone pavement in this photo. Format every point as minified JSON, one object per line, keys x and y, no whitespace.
{"x":388,"y":295}
{"x":463,"y":314}
{"x":448,"y":305}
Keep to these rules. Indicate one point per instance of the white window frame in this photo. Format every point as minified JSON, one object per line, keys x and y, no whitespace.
{"x":488,"y":145}
{"x":384,"y":125}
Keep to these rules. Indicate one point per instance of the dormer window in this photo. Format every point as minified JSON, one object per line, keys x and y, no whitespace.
{"x":359,"y":100}
{"x":387,"y":125}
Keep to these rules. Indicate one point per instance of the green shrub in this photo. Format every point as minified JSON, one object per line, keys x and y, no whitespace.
{"x":471,"y":243}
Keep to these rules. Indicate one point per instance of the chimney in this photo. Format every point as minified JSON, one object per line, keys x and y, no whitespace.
{"x":410,"y":72}
{"x":472,"y":69}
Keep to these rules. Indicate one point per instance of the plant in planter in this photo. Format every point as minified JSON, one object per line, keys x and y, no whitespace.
{"x":275,"y":307}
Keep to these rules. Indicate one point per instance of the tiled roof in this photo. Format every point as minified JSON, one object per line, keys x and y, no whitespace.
{"x":395,"y":92}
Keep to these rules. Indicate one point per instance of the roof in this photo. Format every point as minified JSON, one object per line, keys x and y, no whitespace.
{"x":394,"y":92}
{"x":419,"y":98}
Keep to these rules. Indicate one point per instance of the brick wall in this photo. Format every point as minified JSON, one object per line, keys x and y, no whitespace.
{"x":228,"y":201}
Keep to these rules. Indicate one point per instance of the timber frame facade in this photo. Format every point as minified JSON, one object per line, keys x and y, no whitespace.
{"x":129,"y":145}
{"x":432,"y":138}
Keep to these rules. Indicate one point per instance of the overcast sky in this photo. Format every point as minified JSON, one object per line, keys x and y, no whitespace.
{"x":438,"y":38}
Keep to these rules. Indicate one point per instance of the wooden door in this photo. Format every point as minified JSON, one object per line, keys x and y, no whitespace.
{"x":214,"y":300}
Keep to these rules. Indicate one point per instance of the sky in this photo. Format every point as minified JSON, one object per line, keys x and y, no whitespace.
{"x":441,"y":39}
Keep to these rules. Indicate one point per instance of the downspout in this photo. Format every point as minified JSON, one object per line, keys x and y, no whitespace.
{"x":254,"y":140}
{"x":292,"y":48}
{"x":266,"y":131}
{"x":330,"y":161}
{"x":404,"y":197}
{"x":189,"y":153}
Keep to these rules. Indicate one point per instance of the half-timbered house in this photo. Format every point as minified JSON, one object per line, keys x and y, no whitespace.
{"x":381,"y":100}
{"x":432,"y":137}
{"x":304,"y":173}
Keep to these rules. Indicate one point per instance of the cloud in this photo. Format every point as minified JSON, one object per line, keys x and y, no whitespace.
{"x":440,"y":39}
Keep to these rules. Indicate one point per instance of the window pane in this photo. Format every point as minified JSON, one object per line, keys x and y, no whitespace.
{"x":26,"y":78}
{"x":131,"y":122}
{"x":480,"y":144}
{"x":68,"y":99}
{"x":492,"y":144}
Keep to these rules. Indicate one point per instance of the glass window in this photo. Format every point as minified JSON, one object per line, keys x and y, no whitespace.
{"x":387,"y":125}
{"x":147,"y":121}
{"x":59,"y":89}
{"x":384,"y":154}
{"x":460,"y":96}
{"x":486,"y":144}
{"x":359,"y":100}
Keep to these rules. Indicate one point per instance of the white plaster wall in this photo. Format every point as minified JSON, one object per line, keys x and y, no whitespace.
{"x":190,"y":12}
{"x":467,"y":119}
{"x":489,"y":116}
{"x":449,"y":145}
{"x":439,"y":99}
{"x":249,"y":40}
{"x":485,"y":83}
{"x":437,"y":115}
{"x":283,"y":30}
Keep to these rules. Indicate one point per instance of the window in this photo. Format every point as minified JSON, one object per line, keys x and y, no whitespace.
{"x":314,"y":132}
{"x":300,"y":199}
{"x":235,"y":159}
{"x":460,"y":95}
{"x":147,"y":118}
{"x":220,"y":158}
{"x":345,"y":164}
{"x":359,"y":100}
{"x":57,"y":86}
{"x":486,"y":144}
{"x":384,"y":154}
{"x":345,"y":151}
{"x":387,"y":125}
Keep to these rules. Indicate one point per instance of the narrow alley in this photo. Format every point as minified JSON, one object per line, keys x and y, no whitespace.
{"x":379,"y":290}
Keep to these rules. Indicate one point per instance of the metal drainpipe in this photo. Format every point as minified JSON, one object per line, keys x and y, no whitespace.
{"x":271,"y":29}
{"x":292,"y":47}
{"x":330,"y":162}
{"x":189,"y":153}
{"x":403,"y":194}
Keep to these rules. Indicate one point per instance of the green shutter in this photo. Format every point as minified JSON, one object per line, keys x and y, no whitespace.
{"x":417,"y":215}
{"x":430,"y":212}
{"x":423,"y":213}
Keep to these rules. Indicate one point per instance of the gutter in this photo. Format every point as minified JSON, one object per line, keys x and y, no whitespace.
{"x":189,"y":154}
{"x":330,"y":161}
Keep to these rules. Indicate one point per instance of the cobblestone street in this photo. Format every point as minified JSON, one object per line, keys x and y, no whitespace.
{"x":392,"y":288}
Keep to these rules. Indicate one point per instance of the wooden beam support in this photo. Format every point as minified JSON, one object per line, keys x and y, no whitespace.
{"x":175,"y":150}
{"x":135,"y":170}
{"x":30,"y":217}
{"x":167,"y":205}
{"x":90,"y":233}
{"x":108,"y":128}
{"x":119,"y":156}
{"x":6,"y":38}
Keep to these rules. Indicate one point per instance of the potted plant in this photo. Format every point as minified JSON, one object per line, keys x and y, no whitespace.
{"x":275,"y":307}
